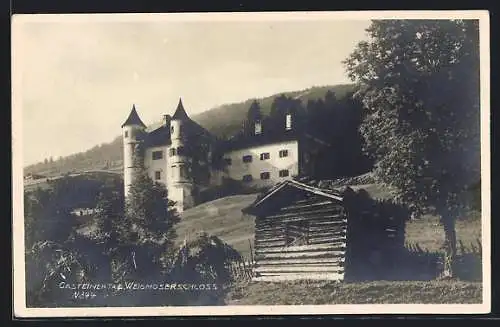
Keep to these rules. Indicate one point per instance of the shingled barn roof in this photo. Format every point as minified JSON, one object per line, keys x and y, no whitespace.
{"x":334,"y":189}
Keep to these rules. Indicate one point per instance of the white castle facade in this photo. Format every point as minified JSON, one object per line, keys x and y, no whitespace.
{"x":187,"y":159}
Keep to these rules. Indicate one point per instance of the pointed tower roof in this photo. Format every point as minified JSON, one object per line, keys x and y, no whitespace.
{"x":133,"y":119}
{"x":180,"y":113}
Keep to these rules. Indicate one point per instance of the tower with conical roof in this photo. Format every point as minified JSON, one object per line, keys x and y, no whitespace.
{"x":180,"y":184}
{"x":132,"y":132}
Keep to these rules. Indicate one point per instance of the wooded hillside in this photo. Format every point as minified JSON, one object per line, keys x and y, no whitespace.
{"x":223,"y":121}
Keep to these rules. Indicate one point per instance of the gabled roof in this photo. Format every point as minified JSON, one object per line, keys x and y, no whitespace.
{"x":133,"y":119}
{"x":180,"y":113}
{"x":335,"y":194}
{"x":158,"y":137}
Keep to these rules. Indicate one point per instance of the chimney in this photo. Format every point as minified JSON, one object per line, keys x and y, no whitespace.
{"x":166,"y":120}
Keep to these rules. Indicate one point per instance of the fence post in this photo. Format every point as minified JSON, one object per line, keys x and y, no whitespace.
{"x":480,"y":246}
{"x":473,"y":248}
{"x":251,"y":250}
{"x":462,"y":247}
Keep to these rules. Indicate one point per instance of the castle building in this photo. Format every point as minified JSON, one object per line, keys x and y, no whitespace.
{"x":187,"y":159}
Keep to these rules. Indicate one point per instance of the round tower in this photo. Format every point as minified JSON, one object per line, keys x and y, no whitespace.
{"x":132,"y":130}
{"x":181,"y":184}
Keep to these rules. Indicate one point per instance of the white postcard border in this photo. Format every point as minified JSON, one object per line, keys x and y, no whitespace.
{"x":20,"y":309}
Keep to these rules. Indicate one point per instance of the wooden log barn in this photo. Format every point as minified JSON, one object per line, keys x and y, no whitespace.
{"x":304,"y":232}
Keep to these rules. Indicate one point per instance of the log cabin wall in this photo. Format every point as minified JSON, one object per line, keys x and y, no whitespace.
{"x":302,"y":239}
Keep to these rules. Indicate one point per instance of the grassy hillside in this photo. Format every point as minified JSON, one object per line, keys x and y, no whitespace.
{"x":223,"y":218}
{"x":223,"y":120}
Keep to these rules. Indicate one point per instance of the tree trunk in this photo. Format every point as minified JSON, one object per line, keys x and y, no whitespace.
{"x":450,"y":243}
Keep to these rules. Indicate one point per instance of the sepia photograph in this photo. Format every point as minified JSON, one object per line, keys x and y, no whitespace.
{"x":251,"y":163}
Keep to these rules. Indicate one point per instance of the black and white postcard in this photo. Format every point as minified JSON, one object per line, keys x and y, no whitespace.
{"x":251,"y":163}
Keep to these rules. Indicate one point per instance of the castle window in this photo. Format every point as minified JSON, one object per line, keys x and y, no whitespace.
{"x":126,"y":133}
{"x":265,"y":175}
{"x":228,"y":161}
{"x":182,"y":171}
{"x":157,"y":155}
{"x":172,"y":152}
{"x":172,"y":129}
{"x":247,"y":178}
{"x":247,"y":158}
{"x":180,"y":151}
{"x":283,"y":153}
{"x":288,"y":122}
{"x":157,"y":175}
{"x":258,"y":128}
{"x":265,"y":156}
{"x":284,"y":173}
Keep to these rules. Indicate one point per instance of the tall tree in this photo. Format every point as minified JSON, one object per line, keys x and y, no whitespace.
{"x":147,"y":232}
{"x":419,"y":84}
{"x":280,"y":107}
{"x":254,"y":114}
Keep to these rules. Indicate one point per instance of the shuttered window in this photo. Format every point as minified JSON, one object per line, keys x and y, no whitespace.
{"x":157,"y":175}
{"x":247,"y":158}
{"x":265,"y":156}
{"x":284,"y":173}
{"x":283,"y":153}
{"x":265,"y":175}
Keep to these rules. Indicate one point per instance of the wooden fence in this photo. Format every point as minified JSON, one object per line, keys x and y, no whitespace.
{"x":241,"y":270}
{"x":462,"y":248}
{"x":468,"y":260}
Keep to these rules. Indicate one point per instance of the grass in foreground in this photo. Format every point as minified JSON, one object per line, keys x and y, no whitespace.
{"x":378,"y":292}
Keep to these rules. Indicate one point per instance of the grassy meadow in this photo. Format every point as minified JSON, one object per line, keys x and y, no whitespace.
{"x":223,"y":218}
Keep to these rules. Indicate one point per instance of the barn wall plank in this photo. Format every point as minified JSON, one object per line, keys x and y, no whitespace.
{"x":299,"y":255}
{"x":286,"y":269}
{"x":291,"y":276}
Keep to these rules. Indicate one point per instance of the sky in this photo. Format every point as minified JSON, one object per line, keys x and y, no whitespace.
{"x":77,"y":79}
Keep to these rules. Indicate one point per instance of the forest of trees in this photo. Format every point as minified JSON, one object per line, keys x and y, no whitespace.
{"x":130,"y":241}
{"x":335,"y":120}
